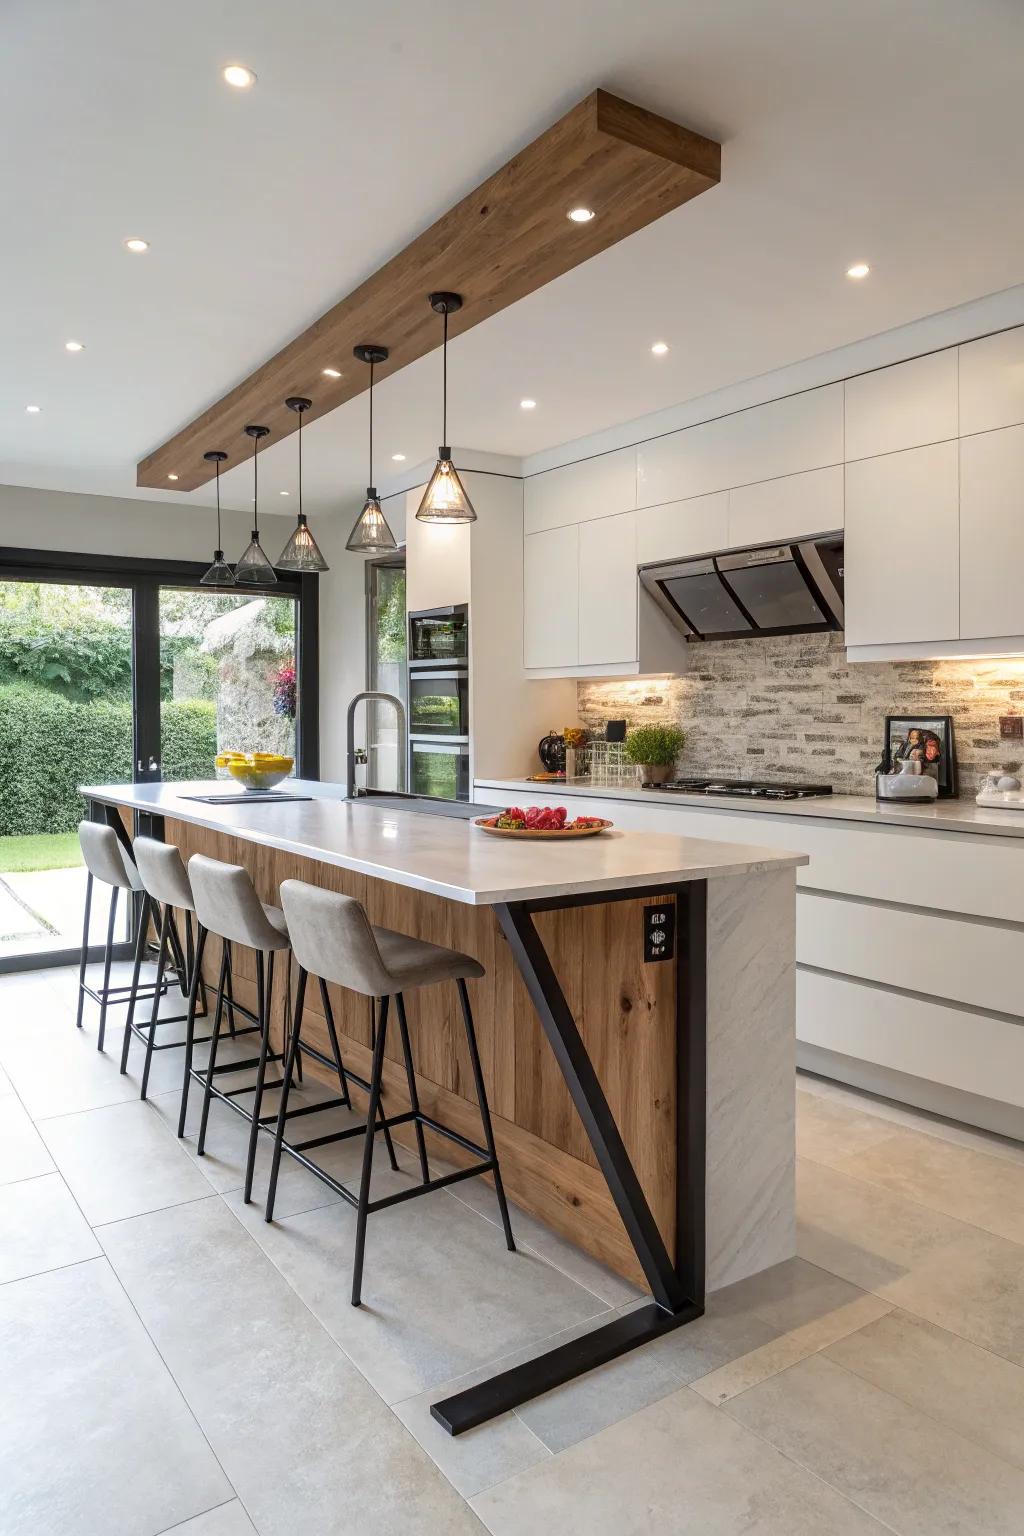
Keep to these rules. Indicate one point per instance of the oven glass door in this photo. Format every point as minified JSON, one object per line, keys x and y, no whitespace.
{"x":441,"y":771}
{"x":439,"y":637}
{"x":438,"y":703}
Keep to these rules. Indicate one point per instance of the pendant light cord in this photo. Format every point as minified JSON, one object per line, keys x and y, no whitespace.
{"x":255,"y":488}
{"x":220,"y":544}
{"x":300,"y":463}
{"x":370,"y":481}
{"x":444,"y":378}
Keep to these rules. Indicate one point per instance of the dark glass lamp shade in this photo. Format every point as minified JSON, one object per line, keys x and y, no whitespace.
{"x":370,"y":532}
{"x":302,"y":553}
{"x":445,"y":499}
{"x":220,"y":573}
{"x":254,"y":569}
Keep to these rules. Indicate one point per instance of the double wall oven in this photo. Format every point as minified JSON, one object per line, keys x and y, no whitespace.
{"x":438,"y":662}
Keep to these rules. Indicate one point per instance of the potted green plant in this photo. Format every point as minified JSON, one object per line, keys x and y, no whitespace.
{"x":654,"y":748}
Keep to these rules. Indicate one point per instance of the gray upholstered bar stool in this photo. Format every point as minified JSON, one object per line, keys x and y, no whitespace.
{"x":107,"y":862}
{"x":226,"y":904}
{"x":332,"y":939}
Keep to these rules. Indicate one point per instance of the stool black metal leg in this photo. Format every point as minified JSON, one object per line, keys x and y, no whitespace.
{"x":107,"y":958}
{"x":364,"y":1181}
{"x":380,"y":1104}
{"x":140,"y":949}
{"x":264,"y":993}
{"x":190,"y":1024}
{"x":166,"y":927}
{"x":293,"y":1051}
{"x":332,"y":1035}
{"x":211,"y":1065}
{"x":177,"y":956}
{"x":230,"y":1000}
{"x":485,"y":1112}
{"x":410,"y":1077}
{"x":85,"y":949}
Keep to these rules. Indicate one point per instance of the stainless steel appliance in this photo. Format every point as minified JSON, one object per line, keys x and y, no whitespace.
{"x":439,"y":637}
{"x":780,"y":589}
{"x":743,"y":789}
{"x":439,"y":702}
{"x":438,"y":692}
{"x":439,"y":769}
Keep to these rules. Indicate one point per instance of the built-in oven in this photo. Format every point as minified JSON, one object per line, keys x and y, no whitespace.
{"x":439,"y":637}
{"x":439,"y":701}
{"x":439,"y":768}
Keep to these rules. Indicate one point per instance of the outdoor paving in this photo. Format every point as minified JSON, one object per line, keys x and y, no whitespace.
{"x":42,"y":910}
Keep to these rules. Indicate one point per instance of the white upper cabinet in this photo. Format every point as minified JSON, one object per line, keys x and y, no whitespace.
{"x":992,"y":382}
{"x":791,"y":507}
{"x":992,"y":534}
{"x":676,"y":529}
{"x":902,"y":407}
{"x":576,"y":493}
{"x":608,"y":591}
{"x":782,"y":437}
{"x":551,"y":598}
{"x":901,"y":559}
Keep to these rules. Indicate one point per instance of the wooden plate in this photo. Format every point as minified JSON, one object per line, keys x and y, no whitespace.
{"x":486,"y":824}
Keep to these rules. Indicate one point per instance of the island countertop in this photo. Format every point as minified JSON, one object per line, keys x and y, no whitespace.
{"x":449,"y":858}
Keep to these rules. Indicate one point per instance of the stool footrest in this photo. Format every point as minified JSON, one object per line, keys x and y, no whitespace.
{"x":234,"y":1093}
{"x":488,"y":1164}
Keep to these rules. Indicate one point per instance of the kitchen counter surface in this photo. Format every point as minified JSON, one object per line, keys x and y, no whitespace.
{"x":938,"y":816}
{"x":450,"y":858}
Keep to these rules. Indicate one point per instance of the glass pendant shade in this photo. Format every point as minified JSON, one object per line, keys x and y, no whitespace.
{"x":220,"y":573}
{"x":370,"y":532}
{"x":445,"y":499}
{"x":302,"y":553}
{"x":254,"y":569}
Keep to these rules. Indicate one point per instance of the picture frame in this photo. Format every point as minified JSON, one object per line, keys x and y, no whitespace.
{"x":928,"y":739}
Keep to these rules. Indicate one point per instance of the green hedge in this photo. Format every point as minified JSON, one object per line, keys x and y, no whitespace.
{"x":49,"y":745}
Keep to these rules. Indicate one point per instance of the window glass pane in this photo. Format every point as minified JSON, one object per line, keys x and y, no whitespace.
{"x":386,"y":672}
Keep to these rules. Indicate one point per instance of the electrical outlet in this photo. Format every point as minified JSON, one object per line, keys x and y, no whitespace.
{"x":1011,"y":727}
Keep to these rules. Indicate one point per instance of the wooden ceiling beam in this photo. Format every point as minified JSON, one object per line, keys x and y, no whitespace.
{"x":505,"y":240}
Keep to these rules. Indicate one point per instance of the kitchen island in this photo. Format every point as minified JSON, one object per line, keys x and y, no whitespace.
{"x":636,"y":1025}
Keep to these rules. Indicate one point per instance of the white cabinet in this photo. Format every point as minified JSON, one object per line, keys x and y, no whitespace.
{"x":782,"y":437}
{"x":791,"y":507}
{"x":551,"y":598}
{"x":902,"y":547}
{"x":608,"y":590}
{"x":576,"y":493}
{"x":699,"y":526}
{"x":992,"y":534}
{"x":992,"y":382}
{"x":902,"y":407}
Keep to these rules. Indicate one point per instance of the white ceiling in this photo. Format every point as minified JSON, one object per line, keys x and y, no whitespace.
{"x":886,"y":132}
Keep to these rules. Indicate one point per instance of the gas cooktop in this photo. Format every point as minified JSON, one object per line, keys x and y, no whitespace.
{"x":743,"y":789}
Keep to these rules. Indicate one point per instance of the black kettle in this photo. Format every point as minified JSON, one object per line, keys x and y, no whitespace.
{"x":551,"y":751}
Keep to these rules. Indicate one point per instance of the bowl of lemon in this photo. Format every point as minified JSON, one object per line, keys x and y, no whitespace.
{"x":256,"y":770}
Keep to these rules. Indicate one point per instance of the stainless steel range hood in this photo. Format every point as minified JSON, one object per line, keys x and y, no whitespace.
{"x":780,"y":589}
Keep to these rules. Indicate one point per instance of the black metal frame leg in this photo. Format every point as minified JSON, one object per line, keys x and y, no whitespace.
{"x":264,"y":993}
{"x":190,"y":1025}
{"x":140,"y":949}
{"x":85,"y":949}
{"x":485,"y":1111}
{"x":286,"y":1084}
{"x":362,"y":1208}
{"x":211,"y":1064}
{"x":107,"y":958}
{"x":410,"y":1077}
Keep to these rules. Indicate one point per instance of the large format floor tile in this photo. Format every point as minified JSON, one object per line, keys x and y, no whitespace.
{"x":94,"y":1434}
{"x":41,"y":1228}
{"x":916,"y":1476}
{"x":23,"y":1153}
{"x":120,"y":1161}
{"x":227,"y":1520}
{"x":679,"y":1466}
{"x":827,"y":1129}
{"x":308,"y":1445}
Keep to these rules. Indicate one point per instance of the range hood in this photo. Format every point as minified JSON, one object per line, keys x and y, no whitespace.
{"x":778,"y":589}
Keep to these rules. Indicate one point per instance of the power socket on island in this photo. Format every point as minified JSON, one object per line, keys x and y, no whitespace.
{"x":1011,"y":727}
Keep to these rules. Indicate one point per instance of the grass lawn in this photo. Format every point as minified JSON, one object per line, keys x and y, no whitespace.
{"x":43,"y":850}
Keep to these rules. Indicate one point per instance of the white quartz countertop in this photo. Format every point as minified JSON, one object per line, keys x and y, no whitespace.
{"x":450,"y":858}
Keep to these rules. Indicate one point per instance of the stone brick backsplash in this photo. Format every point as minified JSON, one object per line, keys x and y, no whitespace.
{"x":792,"y":707}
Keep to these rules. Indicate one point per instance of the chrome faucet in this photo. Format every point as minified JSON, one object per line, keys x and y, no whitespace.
{"x":350,"y":737}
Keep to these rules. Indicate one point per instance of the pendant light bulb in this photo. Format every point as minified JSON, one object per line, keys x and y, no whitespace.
{"x":301,"y":553}
{"x":220,"y":573}
{"x":445,"y":499}
{"x":370,"y":532}
{"x":254,"y":569}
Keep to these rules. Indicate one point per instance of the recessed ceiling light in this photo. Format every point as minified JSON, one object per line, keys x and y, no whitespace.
{"x":284,"y":493}
{"x":581,"y":215}
{"x":239,"y":76}
{"x":172,"y":477}
{"x":33,"y":410}
{"x":134,"y":243}
{"x":398,"y":458}
{"x":660,"y":348}
{"x":527,"y":405}
{"x":332,"y":373}
{"x":858,"y":270}
{"x":74,"y":346}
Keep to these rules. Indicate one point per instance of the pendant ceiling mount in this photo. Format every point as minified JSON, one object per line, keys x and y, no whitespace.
{"x":371,"y":534}
{"x":445,"y":499}
{"x":301,"y":553}
{"x":254,"y":569}
{"x":220,"y":573}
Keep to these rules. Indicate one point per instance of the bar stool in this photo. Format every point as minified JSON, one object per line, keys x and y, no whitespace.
{"x":332,"y":939}
{"x":226,"y":904}
{"x":105,"y":861}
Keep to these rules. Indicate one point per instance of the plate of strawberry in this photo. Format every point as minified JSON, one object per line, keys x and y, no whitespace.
{"x":540,"y":821}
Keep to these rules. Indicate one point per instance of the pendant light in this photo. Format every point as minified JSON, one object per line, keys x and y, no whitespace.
{"x":370,"y":532}
{"x":220,"y":573}
{"x":301,"y":553}
{"x":254,"y":569}
{"x":445,"y":499}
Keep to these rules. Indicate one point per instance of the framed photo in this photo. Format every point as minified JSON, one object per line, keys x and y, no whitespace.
{"x":926,"y":739}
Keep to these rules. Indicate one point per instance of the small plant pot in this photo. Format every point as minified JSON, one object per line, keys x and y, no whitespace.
{"x":656,"y":773}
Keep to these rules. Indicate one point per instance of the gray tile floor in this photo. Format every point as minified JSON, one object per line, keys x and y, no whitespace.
{"x":173,"y":1363}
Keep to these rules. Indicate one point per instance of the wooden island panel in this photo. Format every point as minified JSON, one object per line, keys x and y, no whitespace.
{"x":625,"y":1011}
